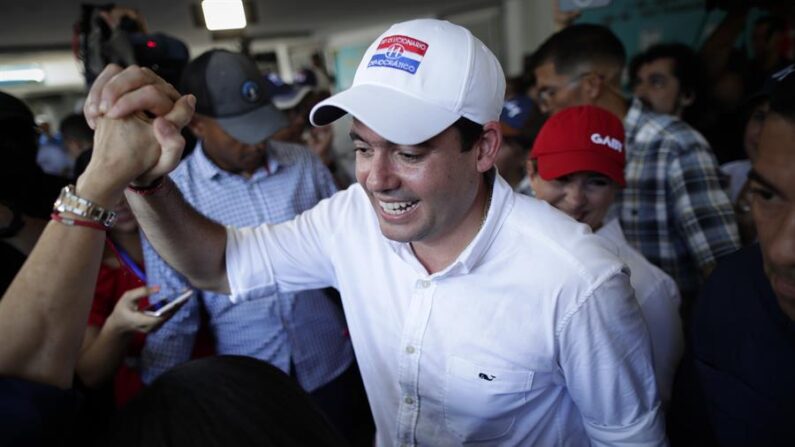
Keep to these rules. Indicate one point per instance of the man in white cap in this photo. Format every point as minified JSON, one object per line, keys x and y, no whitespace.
{"x":476,"y":315}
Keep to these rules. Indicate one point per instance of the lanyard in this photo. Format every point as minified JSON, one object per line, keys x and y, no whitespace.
{"x":127,"y":261}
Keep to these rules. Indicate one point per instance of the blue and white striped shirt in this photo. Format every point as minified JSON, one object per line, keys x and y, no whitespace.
{"x":306,"y":327}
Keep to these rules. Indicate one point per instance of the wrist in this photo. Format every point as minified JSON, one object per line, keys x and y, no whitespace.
{"x":116,"y":327}
{"x":98,"y":190}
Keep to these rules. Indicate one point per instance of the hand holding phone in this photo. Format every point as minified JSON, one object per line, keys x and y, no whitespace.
{"x":163,"y":306}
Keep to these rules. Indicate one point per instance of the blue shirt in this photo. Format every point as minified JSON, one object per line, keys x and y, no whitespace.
{"x":304,"y":328}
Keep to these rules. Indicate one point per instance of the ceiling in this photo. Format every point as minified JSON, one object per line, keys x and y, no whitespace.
{"x":35,"y":25}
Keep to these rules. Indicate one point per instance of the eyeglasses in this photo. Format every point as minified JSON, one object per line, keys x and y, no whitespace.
{"x":545,"y":94}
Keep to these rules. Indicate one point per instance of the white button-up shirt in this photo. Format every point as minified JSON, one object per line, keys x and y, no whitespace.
{"x":659,"y":300}
{"x":531,"y":337}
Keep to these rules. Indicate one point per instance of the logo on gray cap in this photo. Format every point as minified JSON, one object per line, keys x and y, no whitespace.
{"x":250,"y":91}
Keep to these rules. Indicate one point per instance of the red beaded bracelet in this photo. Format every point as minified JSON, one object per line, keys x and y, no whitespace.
{"x":150,"y":189}
{"x":56,"y":216}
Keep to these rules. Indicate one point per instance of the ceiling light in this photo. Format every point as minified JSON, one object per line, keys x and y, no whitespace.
{"x":21,"y":73}
{"x":223,"y":14}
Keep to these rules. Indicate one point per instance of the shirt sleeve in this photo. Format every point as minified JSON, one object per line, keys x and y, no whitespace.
{"x":665,"y":329}
{"x":605,"y":355}
{"x":703,"y":212}
{"x":287,"y":257}
{"x":172,"y":343}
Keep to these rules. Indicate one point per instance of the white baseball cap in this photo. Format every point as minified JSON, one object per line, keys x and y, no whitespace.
{"x":417,"y":79}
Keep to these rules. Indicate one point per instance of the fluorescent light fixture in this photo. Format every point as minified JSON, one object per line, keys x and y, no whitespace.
{"x":223,"y":14}
{"x":21,"y":73}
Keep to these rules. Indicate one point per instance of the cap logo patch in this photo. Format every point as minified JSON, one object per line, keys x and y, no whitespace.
{"x":399,"y":52}
{"x":250,"y":91}
{"x":608,"y":141}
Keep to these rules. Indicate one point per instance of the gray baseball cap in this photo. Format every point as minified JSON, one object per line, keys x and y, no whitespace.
{"x":229,"y":88}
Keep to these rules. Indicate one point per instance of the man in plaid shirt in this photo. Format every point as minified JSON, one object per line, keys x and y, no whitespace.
{"x":673,"y":209}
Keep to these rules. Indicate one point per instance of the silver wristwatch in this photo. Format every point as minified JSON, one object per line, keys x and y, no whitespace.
{"x":69,"y":202}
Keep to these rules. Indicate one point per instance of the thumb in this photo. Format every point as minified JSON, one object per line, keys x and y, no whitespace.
{"x":132,"y":296}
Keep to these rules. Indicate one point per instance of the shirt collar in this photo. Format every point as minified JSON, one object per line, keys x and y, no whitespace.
{"x":277,"y":158}
{"x":612,"y":231}
{"x":502,"y":200}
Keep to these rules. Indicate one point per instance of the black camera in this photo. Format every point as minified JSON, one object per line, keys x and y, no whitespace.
{"x":126,"y":44}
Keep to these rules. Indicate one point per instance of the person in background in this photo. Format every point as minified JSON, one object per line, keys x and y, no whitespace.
{"x":26,"y":193}
{"x":577,"y":166}
{"x":76,"y":135}
{"x":735,"y":386}
{"x":674,"y":209}
{"x":117,"y":326}
{"x":519,"y":121}
{"x":666,"y":77}
{"x":223,"y":401}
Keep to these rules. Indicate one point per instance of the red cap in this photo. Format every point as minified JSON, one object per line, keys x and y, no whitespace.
{"x":582,"y":138}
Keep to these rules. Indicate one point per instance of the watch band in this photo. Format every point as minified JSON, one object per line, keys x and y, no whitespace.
{"x":69,"y":202}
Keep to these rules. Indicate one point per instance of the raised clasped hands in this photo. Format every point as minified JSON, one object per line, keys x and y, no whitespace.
{"x":137,"y":117}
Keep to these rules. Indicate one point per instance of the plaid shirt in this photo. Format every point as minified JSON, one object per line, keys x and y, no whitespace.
{"x":673,"y":209}
{"x":305,"y":329}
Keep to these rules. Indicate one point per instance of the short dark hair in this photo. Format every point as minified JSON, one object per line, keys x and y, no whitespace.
{"x":575,"y":45}
{"x":469,"y":132}
{"x":686,"y":65}
{"x":222,"y":400}
{"x":782,"y":99}
{"x":75,"y":127}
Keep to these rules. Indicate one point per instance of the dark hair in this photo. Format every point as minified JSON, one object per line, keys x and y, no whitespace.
{"x":782,"y":99}
{"x":575,"y":45}
{"x":75,"y":127}
{"x":686,"y":65}
{"x":469,"y":132}
{"x":223,"y":400}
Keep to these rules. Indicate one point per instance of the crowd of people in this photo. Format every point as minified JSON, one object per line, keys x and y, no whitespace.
{"x":552,"y":259}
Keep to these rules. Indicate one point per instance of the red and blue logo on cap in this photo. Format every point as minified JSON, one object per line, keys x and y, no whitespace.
{"x":400,"y":52}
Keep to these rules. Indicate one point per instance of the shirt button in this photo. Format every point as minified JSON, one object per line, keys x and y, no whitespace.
{"x":408,"y":401}
{"x":410,"y":349}
{"x":423,"y":284}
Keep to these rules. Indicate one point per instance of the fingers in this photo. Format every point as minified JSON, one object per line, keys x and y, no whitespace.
{"x":91,"y":107}
{"x":130,"y":297}
{"x":182,"y":112}
{"x":157,"y":98}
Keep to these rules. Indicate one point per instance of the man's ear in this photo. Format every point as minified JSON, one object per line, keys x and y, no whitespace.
{"x":591,"y":87}
{"x":488,"y":145}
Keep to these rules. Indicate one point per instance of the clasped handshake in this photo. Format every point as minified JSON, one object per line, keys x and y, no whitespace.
{"x":137,"y":118}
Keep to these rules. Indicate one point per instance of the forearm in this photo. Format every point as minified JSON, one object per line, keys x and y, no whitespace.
{"x":101,"y":358}
{"x":189,"y":242}
{"x":45,"y":308}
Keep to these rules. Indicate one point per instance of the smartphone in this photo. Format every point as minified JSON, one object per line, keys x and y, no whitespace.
{"x":161,"y":307}
{"x":571,"y":5}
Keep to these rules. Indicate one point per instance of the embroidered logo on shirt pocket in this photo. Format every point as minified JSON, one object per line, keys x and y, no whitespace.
{"x":480,"y":402}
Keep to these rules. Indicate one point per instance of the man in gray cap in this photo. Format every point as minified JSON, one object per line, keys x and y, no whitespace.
{"x":479,"y":316}
{"x":238,"y":176}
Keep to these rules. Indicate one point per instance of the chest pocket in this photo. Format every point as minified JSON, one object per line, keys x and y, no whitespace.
{"x":481,"y":402}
